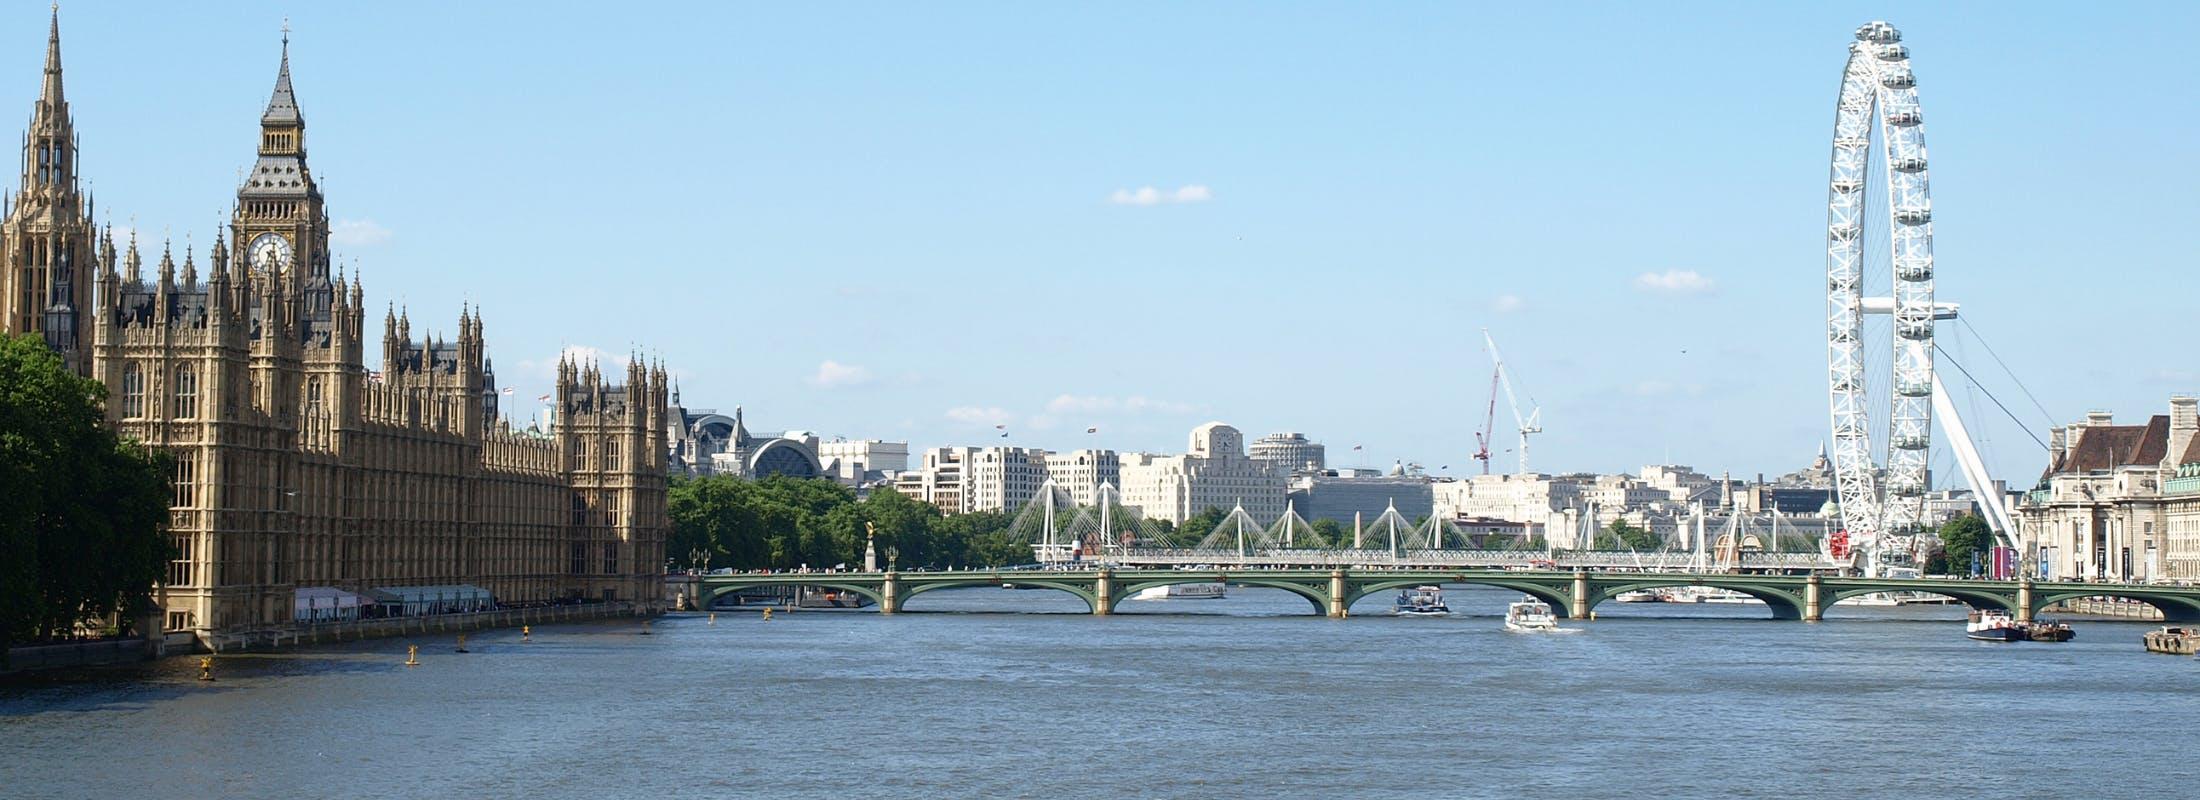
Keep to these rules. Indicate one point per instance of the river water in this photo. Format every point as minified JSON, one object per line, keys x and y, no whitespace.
{"x":992,"y":693}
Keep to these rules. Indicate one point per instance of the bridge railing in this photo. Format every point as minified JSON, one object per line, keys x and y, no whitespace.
{"x":1484,"y":559}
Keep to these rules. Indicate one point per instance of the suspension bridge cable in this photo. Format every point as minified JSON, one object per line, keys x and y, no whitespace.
{"x":2006,"y":370}
{"x":1990,"y":396}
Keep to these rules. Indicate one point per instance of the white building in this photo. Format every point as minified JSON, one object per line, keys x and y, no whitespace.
{"x":1519,"y":498}
{"x":863,"y":460}
{"x":1214,"y":473}
{"x":1083,"y":472}
{"x":1290,"y":452}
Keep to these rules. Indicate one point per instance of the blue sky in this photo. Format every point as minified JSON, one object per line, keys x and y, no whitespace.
{"x":901,"y":220}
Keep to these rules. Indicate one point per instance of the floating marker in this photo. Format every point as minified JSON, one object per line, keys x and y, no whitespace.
{"x":412,"y":655}
{"x":206,"y":668}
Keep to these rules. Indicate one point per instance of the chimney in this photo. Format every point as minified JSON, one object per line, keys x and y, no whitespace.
{"x":2184,"y":424}
{"x":2100,"y":418}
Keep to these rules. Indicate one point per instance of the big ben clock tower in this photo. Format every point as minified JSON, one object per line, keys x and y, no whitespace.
{"x":281,"y":225}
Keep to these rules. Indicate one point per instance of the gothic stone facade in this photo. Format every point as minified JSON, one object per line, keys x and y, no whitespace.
{"x":295,"y":465}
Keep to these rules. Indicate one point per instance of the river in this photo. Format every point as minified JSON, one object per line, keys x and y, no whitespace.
{"x":992,"y":693}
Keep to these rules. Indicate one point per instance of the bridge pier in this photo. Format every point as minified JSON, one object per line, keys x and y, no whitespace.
{"x":2023,"y":610}
{"x":1337,"y":607}
{"x":1103,"y":592}
{"x":1813,"y":607}
{"x":1580,"y":604}
{"x":889,"y":596}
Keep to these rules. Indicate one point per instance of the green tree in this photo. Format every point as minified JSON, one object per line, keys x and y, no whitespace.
{"x":1962,"y":536}
{"x":1332,"y":533}
{"x":1197,"y":526}
{"x":82,"y":511}
{"x":1626,"y":535}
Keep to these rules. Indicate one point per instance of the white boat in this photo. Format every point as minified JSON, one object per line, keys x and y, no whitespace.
{"x":1883,"y":599}
{"x":1993,"y":626}
{"x":1181,"y":591}
{"x":1728,"y":596}
{"x":1639,"y":596}
{"x":1530,"y":616}
{"x":1420,"y":601}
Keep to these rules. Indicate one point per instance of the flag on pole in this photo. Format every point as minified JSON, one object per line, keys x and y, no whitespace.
{"x":1092,"y":430}
{"x":509,"y":390}
{"x":543,"y":399}
{"x":1355,"y":447}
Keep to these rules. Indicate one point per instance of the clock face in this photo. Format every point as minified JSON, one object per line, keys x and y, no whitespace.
{"x":270,"y":253}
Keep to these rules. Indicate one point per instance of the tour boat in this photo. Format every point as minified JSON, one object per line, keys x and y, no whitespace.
{"x":2048,"y":631}
{"x":1530,"y":616}
{"x":2173,"y":640}
{"x":1639,"y":596}
{"x":1421,"y":601}
{"x":1181,"y":591}
{"x":1993,"y":626}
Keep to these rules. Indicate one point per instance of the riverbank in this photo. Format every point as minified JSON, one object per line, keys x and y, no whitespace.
{"x":31,"y":660}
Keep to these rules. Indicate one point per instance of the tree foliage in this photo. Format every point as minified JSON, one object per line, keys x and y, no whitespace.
{"x":785,"y":523}
{"x":1621,"y":534}
{"x":82,"y":511}
{"x":1962,"y":536}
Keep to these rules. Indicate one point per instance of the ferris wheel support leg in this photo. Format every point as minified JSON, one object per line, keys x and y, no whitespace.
{"x":1974,"y":468}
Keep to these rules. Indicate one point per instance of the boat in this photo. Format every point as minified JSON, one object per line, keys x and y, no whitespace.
{"x":2173,"y":640}
{"x":2046,"y":630}
{"x":1181,"y":591}
{"x":1530,"y":616}
{"x":1639,"y":596}
{"x":1421,"y":601}
{"x":1727,"y":596}
{"x":1902,"y":598}
{"x":1993,"y":626}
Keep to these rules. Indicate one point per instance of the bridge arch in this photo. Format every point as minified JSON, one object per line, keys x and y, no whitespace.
{"x":1983,"y":599}
{"x":1083,"y":592}
{"x":2173,"y":608}
{"x":1784,"y":604}
{"x":1559,"y":599}
{"x":711,"y":595}
{"x":1319,"y":596}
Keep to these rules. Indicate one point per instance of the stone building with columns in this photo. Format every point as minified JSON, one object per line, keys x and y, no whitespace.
{"x":296,"y":467}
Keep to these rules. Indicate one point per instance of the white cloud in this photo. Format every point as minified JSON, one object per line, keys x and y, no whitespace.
{"x":1135,"y":404}
{"x":1507,"y":303}
{"x":1150,"y":196}
{"x":1674,"y":281}
{"x":976,"y":415}
{"x":833,"y":374}
{"x":357,"y":233}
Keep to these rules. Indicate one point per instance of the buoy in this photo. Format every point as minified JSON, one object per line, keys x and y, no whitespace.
{"x":526,"y":632}
{"x":713,"y":618}
{"x":206,"y":668}
{"x":767,"y":615}
{"x":462,"y":643}
{"x":412,"y":655}
{"x":645,"y":627}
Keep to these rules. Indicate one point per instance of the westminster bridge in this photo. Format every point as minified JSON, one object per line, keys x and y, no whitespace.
{"x":1572,"y":593}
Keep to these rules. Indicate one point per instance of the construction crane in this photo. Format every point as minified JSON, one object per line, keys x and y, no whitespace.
{"x":1532,"y":422}
{"x":1489,"y":425}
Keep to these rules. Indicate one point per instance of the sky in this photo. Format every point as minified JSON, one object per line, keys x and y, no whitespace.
{"x":920,"y":221}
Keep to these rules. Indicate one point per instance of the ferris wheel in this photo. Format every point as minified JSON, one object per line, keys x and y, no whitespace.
{"x":1881,"y":497}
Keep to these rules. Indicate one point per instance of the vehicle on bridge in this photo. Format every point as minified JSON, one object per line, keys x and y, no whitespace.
{"x":1183,"y":591}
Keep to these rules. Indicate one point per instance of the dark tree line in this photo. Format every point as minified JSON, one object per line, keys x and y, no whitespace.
{"x":785,"y":523}
{"x":82,"y":511}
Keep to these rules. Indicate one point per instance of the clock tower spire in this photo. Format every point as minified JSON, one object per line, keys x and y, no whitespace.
{"x":280,"y":227}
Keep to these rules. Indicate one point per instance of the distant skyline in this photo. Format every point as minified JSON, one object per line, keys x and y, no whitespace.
{"x":920,"y":222}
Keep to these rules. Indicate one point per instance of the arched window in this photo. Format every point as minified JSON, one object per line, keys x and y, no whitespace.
{"x":187,"y":392}
{"x":313,"y":397}
{"x":133,"y":391}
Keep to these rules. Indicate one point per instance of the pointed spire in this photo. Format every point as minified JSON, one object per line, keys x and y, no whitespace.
{"x":50,"y":96}
{"x":283,"y":107}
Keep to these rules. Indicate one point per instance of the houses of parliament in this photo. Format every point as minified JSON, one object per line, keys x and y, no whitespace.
{"x":296,"y":466}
